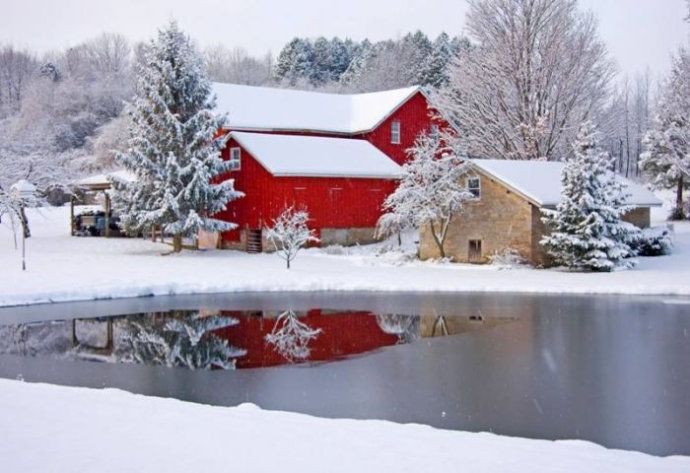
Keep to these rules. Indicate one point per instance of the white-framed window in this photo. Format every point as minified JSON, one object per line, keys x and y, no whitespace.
{"x":395,"y":132}
{"x":235,"y":158}
{"x":474,"y":186}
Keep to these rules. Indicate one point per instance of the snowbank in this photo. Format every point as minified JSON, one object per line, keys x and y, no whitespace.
{"x":61,"y":429}
{"x":64,"y":268}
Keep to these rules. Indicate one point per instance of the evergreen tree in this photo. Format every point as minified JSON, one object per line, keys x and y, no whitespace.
{"x":322,"y":70}
{"x":586,"y":229}
{"x":414,"y":51}
{"x":666,"y":159}
{"x":360,"y":56}
{"x":172,"y":151}
{"x":434,"y":71}
{"x":295,"y":61}
{"x":341,"y":52}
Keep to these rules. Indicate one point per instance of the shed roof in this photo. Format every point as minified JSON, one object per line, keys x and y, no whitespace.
{"x":265,"y":108}
{"x":308,"y":156}
{"x":103,"y":180}
{"x":540,"y":181}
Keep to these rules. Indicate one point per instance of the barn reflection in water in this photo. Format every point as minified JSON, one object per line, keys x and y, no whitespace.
{"x":226,"y":339}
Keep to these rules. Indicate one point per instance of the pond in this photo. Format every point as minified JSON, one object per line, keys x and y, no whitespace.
{"x":610,"y":369}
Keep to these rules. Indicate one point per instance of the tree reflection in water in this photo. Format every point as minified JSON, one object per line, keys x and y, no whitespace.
{"x":184,"y":341}
{"x":406,"y":327}
{"x":225,"y":339}
{"x":291,"y":338}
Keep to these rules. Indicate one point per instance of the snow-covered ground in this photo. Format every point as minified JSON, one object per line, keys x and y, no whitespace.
{"x":62,"y":268}
{"x":61,"y":429}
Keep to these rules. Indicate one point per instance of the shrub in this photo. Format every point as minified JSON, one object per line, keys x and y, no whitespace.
{"x":656,"y":241}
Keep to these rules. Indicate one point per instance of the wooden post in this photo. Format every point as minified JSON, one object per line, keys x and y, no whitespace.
{"x":23,"y":251}
{"x":71,"y":215}
{"x":107,"y":214}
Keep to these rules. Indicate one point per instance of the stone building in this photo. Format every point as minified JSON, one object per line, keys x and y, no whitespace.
{"x":507,"y":211}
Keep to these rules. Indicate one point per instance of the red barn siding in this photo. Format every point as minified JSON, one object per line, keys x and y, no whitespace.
{"x":331,"y":202}
{"x":414,"y":116}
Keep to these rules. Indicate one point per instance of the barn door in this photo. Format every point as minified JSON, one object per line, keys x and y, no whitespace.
{"x":475,"y":251}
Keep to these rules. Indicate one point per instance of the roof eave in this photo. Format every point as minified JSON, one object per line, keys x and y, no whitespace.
{"x":528,"y":198}
{"x":334,"y":176}
{"x":229,"y":129}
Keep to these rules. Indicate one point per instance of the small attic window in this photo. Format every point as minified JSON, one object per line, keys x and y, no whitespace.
{"x":235,"y":158}
{"x":395,"y":132}
{"x":474,"y":186}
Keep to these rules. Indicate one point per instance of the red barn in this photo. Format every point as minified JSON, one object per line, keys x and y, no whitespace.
{"x":338,"y":156}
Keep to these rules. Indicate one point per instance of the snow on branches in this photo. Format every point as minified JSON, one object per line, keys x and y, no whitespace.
{"x":431,"y":191}
{"x":291,"y":338}
{"x":186,"y":340}
{"x":538,"y":68}
{"x":587,"y":232}
{"x":290,"y":233}
{"x":666,"y":159}
{"x":172,"y":151}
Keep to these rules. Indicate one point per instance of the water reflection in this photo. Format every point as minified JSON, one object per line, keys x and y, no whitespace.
{"x":290,"y":337}
{"x":226,"y":339}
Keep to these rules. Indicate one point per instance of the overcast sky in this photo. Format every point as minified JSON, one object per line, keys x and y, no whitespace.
{"x":639,"y":33}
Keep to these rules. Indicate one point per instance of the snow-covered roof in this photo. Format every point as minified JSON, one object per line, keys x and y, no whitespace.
{"x":104,"y":179}
{"x":23,"y":186}
{"x":289,"y":155}
{"x":540,"y":181}
{"x":265,"y":108}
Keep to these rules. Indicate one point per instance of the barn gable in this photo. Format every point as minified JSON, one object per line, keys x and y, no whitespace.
{"x":251,"y":108}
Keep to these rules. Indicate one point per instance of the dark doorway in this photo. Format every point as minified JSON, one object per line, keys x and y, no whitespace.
{"x":475,"y":251}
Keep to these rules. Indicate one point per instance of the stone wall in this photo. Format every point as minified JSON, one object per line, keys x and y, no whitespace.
{"x":329,"y":236}
{"x":499,"y":218}
{"x":640,"y":217}
{"x":347,"y":236}
{"x":539,"y":256}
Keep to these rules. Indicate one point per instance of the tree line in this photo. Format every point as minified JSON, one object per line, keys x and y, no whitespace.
{"x":517,"y":86}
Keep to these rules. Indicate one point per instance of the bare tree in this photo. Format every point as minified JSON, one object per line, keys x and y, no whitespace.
{"x":537,"y":70}
{"x":431,"y":192}
{"x":235,"y":66}
{"x":290,"y":233}
{"x":16,"y":70}
{"x":624,"y":123}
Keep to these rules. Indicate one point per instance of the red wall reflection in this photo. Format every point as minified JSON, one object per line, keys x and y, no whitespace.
{"x":342,"y":334}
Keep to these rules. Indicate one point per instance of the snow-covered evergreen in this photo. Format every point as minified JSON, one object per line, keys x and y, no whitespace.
{"x":434,"y":73}
{"x":586,"y":230}
{"x":290,"y":233}
{"x":666,"y":160}
{"x":179,"y":340}
{"x":172,"y":151}
{"x":431,"y":191}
